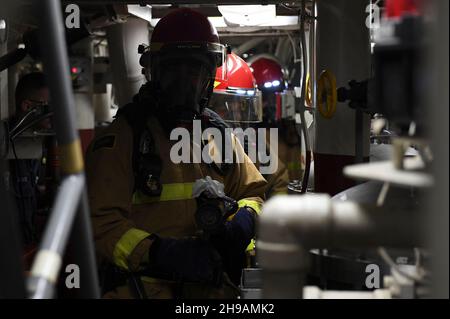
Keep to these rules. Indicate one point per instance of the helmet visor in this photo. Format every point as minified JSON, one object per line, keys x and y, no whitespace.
{"x":237,"y":107}
{"x":216,"y":52}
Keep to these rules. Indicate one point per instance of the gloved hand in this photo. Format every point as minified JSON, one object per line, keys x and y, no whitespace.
{"x":186,"y":259}
{"x":238,"y":232}
{"x":232,"y":240}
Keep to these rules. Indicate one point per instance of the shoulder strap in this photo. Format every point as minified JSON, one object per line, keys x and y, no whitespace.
{"x":212,"y":119}
{"x":144,"y":158}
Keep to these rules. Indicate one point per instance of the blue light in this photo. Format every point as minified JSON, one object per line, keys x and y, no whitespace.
{"x":268,"y":85}
{"x":276,"y":83}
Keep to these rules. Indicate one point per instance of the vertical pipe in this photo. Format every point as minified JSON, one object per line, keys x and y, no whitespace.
{"x":82,"y":236}
{"x":313,"y":54}
{"x":359,"y":136}
{"x":436,"y":213}
{"x":48,"y":259}
{"x":123,"y":41}
{"x":3,"y":73}
{"x":302,"y":98}
{"x":56,"y":67}
{"x":54,"y":53}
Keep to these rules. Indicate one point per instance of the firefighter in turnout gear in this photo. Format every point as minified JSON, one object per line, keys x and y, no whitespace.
{"x":238,"y":101}
{"x":140,"y":193}
{"x":271,"y":81}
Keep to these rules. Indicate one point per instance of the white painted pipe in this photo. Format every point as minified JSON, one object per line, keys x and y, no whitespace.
{"x":291,"y":225}
{"x":123,"y":42}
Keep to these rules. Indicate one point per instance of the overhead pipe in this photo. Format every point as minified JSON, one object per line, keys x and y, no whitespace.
{"x":290,"y":226}
{"x":198,"y":2}
{"x":247,"y":46}
{"x":253,"y":34}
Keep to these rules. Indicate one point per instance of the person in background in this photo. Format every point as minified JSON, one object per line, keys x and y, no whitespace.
{"x":27,"y":178}
{"x":270,"y":80}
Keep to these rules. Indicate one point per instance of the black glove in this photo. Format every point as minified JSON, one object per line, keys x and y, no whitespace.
{"x":232,"y":241}
{"x":187,"y":259}
{"x":238,"y":232}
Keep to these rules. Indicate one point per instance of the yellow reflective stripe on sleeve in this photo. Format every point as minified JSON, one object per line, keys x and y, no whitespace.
{"x":251,"y":246}
{"x":256,"y":206}
{"x":175,"y":191}
{"x":125,"y":246}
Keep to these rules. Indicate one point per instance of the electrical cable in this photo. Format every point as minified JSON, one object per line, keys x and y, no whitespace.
{"x":19,"y":130}
{"x":302,"y":100}
{"x":30,"y":112}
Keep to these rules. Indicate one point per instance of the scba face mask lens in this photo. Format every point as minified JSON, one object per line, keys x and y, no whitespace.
{"x":185,"y":83}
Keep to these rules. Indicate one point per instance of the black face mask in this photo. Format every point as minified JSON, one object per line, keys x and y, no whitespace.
{"x":185,"y":85}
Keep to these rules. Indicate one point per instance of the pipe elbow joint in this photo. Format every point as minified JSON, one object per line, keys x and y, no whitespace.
{"x":288,"y":225}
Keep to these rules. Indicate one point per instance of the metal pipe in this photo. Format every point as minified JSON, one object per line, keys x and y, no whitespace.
{"x":291,"y":225}
{"x":437,"y":101}
{"x":359,"y":136}
{"x":83,"y":237}
{"x":123,"y":41}
{"x":253,"y":34}
{"x":248,"y":45}
{"x":49,"y":257}
{"x":56,"y":66}
{"x":302,"y":100}
{"x":313,"y":54}
{"x":198,"y":2}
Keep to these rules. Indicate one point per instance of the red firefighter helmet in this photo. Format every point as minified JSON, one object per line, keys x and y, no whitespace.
{"x":398,"y":8}
{"x":268,"y":75}
{"x":181,"y":60}
{"x":236,"y":98}
{"x":184,"y":30}
{"x":239,"y":75}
